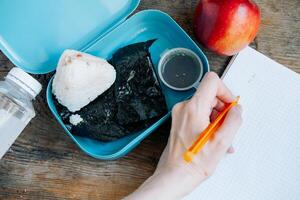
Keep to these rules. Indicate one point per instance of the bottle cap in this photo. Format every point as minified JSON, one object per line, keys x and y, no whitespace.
{"x":24,"y":80}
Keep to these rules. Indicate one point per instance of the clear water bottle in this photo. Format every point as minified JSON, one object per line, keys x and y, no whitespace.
{"x":17,"y":91}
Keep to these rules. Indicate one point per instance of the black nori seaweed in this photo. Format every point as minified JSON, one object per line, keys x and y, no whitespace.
{"x":133,"y":103}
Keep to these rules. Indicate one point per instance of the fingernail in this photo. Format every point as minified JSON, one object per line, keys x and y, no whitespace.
{"x":231,"y":150}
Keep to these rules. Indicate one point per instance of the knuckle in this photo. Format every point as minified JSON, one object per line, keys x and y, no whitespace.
{"x":212,"y":76}
{"x":191,"y":109}
{"x":177,"y":108}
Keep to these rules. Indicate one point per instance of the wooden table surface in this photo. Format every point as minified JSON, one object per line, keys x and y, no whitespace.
{"x":45,"y":164}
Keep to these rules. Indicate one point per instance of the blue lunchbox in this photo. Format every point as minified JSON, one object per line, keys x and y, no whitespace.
{"x":34,"y":33}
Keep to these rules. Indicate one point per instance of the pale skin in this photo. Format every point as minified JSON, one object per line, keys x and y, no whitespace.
{"x":173,"y":177}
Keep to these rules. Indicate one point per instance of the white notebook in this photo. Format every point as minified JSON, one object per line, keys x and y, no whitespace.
{"x":266,"y":164}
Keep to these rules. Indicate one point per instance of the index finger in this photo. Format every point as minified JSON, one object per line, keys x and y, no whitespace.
{"x":212,"y":87}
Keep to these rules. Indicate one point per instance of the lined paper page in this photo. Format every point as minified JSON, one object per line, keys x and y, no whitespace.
{"x":266,"y":164}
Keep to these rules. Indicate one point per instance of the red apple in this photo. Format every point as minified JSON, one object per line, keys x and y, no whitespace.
{"x":226,"y":26}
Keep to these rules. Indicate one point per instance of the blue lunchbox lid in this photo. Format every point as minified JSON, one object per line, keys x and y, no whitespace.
{"x":34,"y":33}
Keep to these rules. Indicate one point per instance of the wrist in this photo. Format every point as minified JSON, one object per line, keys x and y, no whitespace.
{"x":167,"y":183}
{"x":180,"y":180}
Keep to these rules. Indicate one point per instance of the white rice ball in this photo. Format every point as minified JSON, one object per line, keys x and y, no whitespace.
{"x":80,"y":78}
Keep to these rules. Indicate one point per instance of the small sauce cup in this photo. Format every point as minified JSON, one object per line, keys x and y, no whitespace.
{"x":180,"y":69}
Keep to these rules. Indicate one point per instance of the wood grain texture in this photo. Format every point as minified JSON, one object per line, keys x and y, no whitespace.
{"x":45,"y":164}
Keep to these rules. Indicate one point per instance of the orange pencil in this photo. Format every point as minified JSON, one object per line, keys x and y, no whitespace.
{"x":207,"y":133}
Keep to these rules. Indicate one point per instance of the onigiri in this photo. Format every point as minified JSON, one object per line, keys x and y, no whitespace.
{"x":80,"y":78}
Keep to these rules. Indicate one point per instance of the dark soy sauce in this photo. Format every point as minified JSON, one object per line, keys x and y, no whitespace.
{"x":181,"y":71}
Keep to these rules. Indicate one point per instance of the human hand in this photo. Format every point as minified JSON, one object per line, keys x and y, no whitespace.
{"x":174,"y":178}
